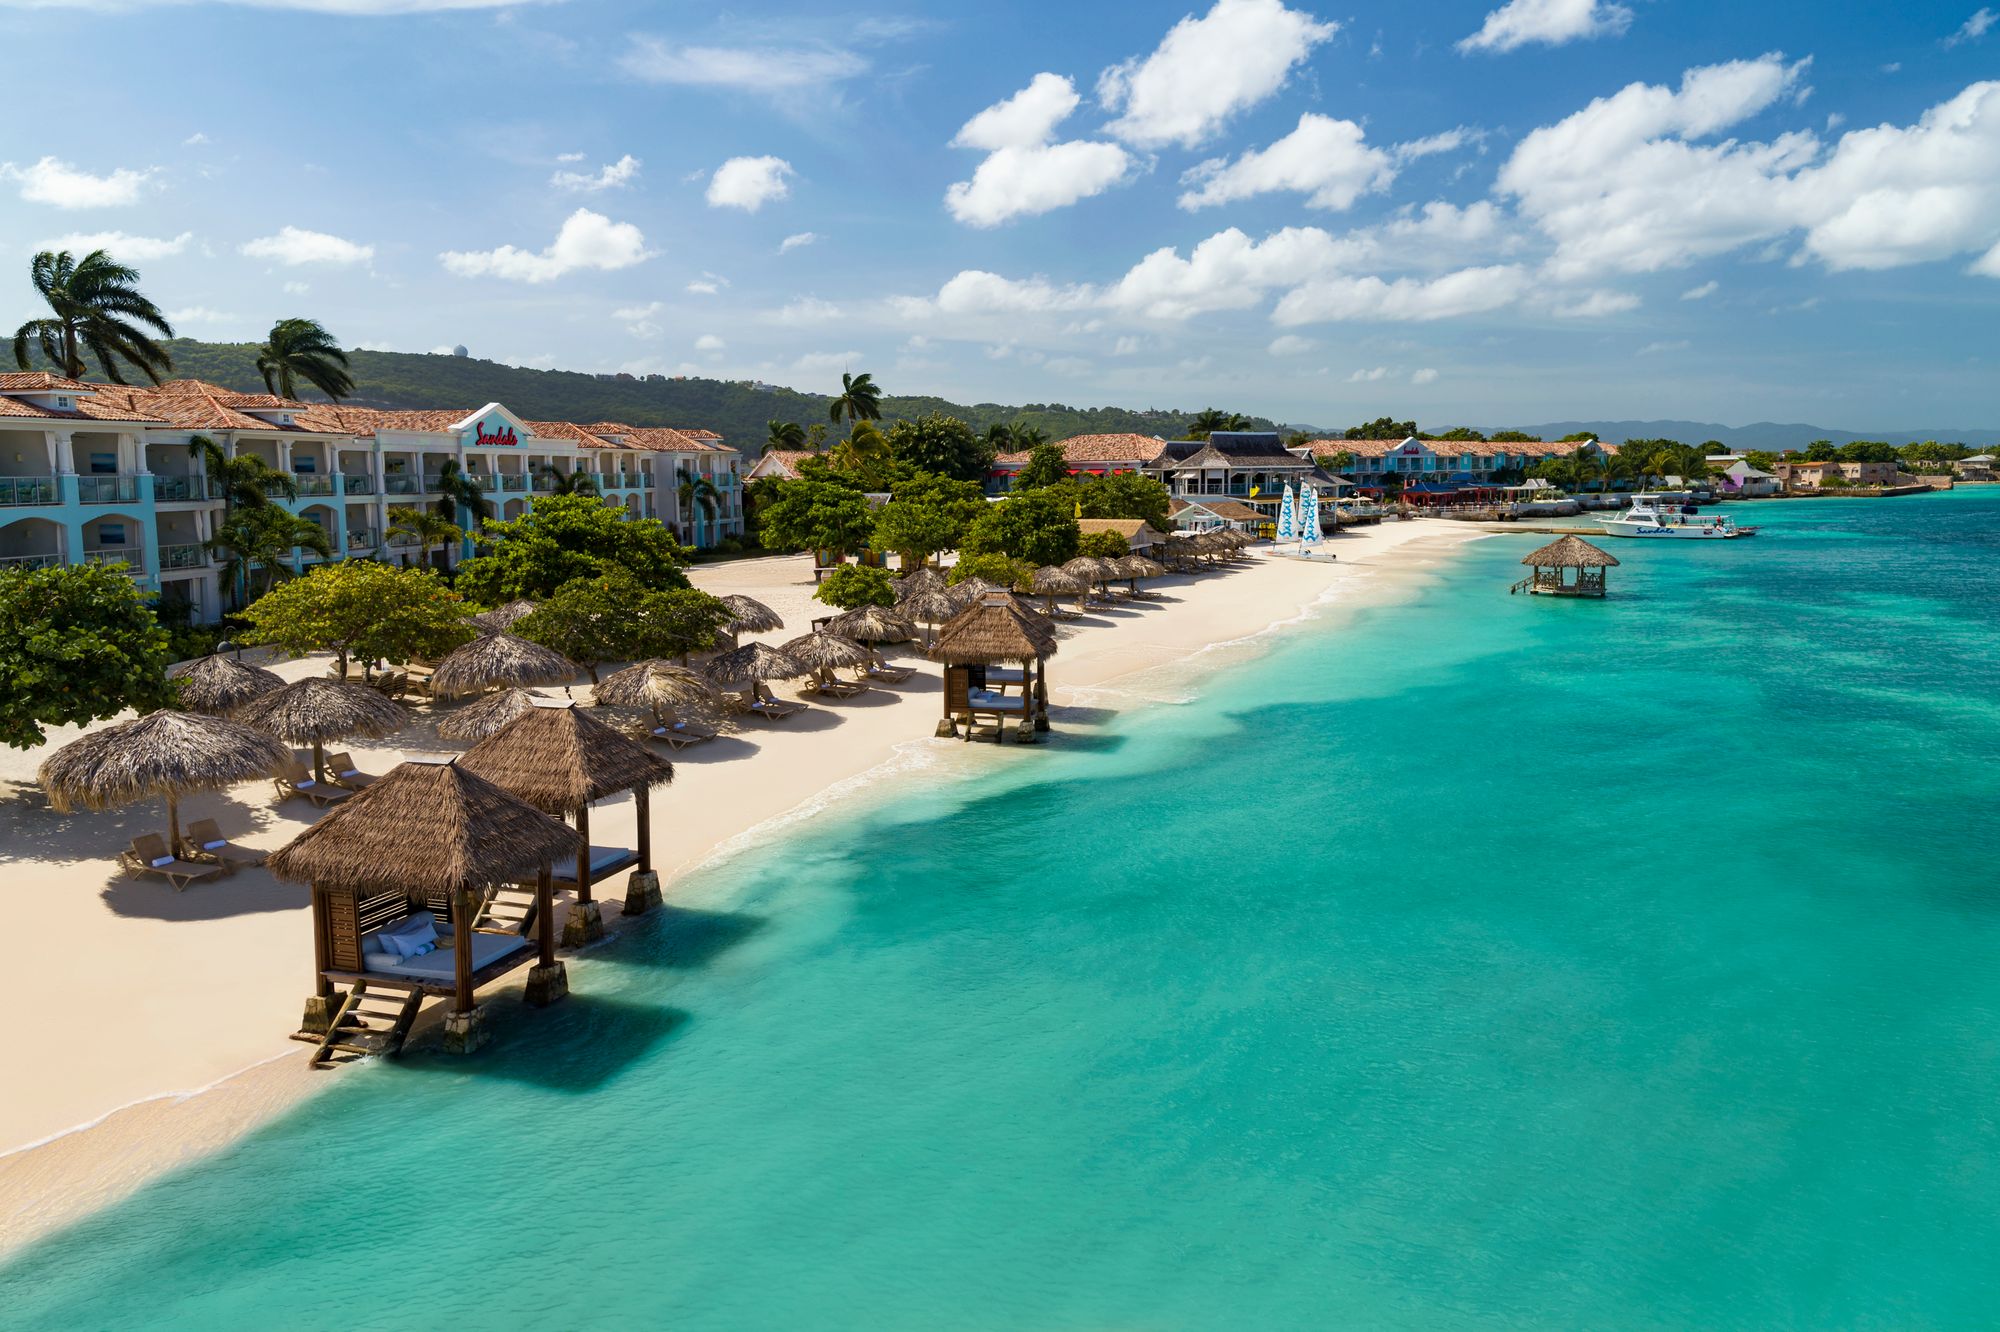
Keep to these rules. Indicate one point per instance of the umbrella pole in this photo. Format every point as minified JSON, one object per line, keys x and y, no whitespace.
{"x":174,"y":825}
{"x":319,"y":762}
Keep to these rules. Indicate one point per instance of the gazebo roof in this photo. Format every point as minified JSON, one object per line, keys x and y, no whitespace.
{"x":559,"y":758}
{"x":1571,"y":553}
{"x":426,"y":828}
{"x":992,"y":631}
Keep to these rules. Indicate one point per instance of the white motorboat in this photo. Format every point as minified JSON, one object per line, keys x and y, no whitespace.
{"x":1657,"y":517}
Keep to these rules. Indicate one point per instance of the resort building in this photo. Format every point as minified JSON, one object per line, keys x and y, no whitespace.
{"x":1209,"y":515}
{"x":1453,"y":464}
{"x":1979,"y":467}
{"x":1737,"y":479}
{"x":101,"y":473}
{"x":1087,"y":455}
{"x":1801,"y":475}
{"x":779,"y":465}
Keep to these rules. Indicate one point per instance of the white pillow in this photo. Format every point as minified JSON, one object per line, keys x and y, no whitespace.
{"x":412,"y":935}
{"x":380,"y":961}
{"x":158,"y":861}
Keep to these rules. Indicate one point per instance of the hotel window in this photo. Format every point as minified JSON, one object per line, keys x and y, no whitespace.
{"x":110,"y":535}
{"x":103,"y":464}
{"x":305,"y":466}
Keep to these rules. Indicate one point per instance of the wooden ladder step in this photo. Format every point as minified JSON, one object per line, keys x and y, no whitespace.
{"x":379,"y":1029}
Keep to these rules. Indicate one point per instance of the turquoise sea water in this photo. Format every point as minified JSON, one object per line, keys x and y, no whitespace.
{"x":1483,"y":961}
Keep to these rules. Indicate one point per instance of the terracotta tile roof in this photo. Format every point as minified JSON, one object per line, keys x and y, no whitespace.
{"x":1443,"y":448}
{"x":89,"y":408}
{"x":31,"y":381}
{"x":1098,"y":449}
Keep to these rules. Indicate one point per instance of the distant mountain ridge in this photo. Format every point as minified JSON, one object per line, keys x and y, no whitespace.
{"x":1766,"y":435}
{"x":737,"y":410}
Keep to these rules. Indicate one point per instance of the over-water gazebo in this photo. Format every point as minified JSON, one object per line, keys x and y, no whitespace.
{"x":1555,"y":563}
{"x":559,"y":759}
{"x":991,"y":647}
{"x":428,"y":835}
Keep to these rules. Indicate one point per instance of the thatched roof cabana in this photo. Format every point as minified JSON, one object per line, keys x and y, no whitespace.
{"x":314,"y":710}
{"x":1555,"y":563}
{"x":754,"y":663}
{"x":501,"y":618}
{"x":489,"y":716}
{"x":969,"y":590}
{"x":872,"y":624}
{"x":986,"y":649}
{"x":426,"y":831}
{"x":166,"y":754}
{"x":500,"y":659}
{"x":559,"y":759}
{"x":219,"y":684}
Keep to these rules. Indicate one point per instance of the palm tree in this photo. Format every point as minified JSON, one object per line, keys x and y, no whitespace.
{"x":860,"y":399}
{"x":247,"y":481}
{"x":1206,"y":422}
{"x":864,"y":444}
{"x":1027,"y":437}
{"x":697,"y":490}
{"x":95,"y":307}
{"x":789,"y":436}
{"x":261,"y":540}
{"x":427,"y":529}
{"x":1000,"y":437}
{"x":462,"y":493}
{"x":301,"y":349}
{"x":577,"y":482}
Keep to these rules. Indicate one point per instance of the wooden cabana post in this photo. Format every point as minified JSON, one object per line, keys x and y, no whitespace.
{"x":992,"y":632}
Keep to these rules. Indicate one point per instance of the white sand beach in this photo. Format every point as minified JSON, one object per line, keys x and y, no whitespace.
{"x":151,"y":1026}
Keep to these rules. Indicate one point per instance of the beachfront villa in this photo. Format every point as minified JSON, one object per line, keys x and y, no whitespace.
{"x":1799,"y":474}
{"x":1979,"y":467}
{"x":103,"y":473}
{"x":1208,"y":515}
{"x":1443,"y":465}
{"x":1736,"y":478}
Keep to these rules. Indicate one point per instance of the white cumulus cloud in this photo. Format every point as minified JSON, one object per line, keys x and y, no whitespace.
{"x":613,"y":175}
{"x":125,"y":249}
{"x":1424,"y":376}
{"x":796,"y":241}
{"x":1405,"y":299}
{"x":1373,"y":375}
{"x":1703,"y":292}
{"x":295,"y":246}
{"x":1551,"y":22}
{"x":1290,"y":344}
{"x":758,"y":69}
{"x":1327,"y":160}
{"x":60,"y":185}
{"x":587,"y":240}
{"x":1207,"y":70}
{"x":749,"y":183}
{"x":708,"y":342}
{"x":1973,"y":29}
{"x":1023,"y":173}
{"x":1595,"y":304}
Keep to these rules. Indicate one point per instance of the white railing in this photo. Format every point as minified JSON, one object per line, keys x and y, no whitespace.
{"x":185,"y":555}
{"x":49,"y":561}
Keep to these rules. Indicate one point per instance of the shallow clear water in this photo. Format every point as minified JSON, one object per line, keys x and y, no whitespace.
{"x":1484,"y":961}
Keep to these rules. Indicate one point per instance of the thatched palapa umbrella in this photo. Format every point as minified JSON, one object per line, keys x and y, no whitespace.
{"x":873,"y":624}
{"x":489,"y":716}
{"x":1134,"y":567}
{"x":427,"y":829}
{"x":925,"y":579}
{"x":502,"y":618}
{"x":500,"y":659}
{"x":559,"y":759}
{"x":931,"y":608}
{"x":313,"y":711}
{"x":969,"y":590}
{"x":824,"y":653}
{"x":218,"y":684}
{"x":1052,"y":581}
{"x":654,"y":683}
{"x":166,"y":754}
{"x":747,"y":615}
{"x":753,"y":664}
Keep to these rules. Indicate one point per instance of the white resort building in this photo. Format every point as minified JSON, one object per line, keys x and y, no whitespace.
{"x":98,"y":472}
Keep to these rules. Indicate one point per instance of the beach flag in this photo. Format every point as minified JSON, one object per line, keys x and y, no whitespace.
{"x":1285,"y":529}
{"x":1309,"y":533}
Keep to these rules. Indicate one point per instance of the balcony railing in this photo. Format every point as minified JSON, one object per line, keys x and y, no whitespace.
{"x":513,"y":483}
{"x":188,"y":555}
{"x":646,"y":480}
{"x":185,"y":488}
{"x":107,"y":489}
{"x":362,"y":538}
{"x":357,"y":483}
{"x":18,"y":490}
{"x":401,"y":485}
{"x":318,"y":485}
{"x":49,"y":561}
{"x":433,"y":483}
{"x":131,"y":555}
{"x":545,"y":485}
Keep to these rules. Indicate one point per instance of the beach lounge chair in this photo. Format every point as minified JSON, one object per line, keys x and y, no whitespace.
{"x":833,"y":686}
{"x":342,"y":772}
{"x":761,"y":703}
{"x":149,"y":855}
{"x":393,"y":683}
{"x":883,"y":673}
{"x":297,"y":780}
{"x":677,"y":734}
{"x":210,"y":844}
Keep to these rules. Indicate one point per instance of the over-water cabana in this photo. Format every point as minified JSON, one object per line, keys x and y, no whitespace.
{"x":423,"y":847}
{"x":560,"y":759}
{"x":995,"y":654}
{"x":1567,"y":567}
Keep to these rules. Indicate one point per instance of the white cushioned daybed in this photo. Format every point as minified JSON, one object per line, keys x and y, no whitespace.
{"x":987,"y":700}
{"x":382,"y":956}
{"x":603,"y":860}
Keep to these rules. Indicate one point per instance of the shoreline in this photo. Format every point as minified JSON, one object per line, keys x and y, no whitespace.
{"x":54,"y":1177}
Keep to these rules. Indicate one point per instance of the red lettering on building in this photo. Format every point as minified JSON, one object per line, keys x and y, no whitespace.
{"x":504,"y":436}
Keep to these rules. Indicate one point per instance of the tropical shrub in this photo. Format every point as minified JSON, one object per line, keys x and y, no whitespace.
{"x":77,"y":644}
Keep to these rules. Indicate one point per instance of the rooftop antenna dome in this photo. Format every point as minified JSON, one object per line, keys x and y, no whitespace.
{"x":460,"y":350}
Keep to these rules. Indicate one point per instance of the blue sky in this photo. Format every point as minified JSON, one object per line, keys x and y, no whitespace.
{"x":1541,"y":210}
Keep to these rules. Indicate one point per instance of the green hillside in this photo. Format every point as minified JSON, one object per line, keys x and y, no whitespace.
{"x":734,"y":409}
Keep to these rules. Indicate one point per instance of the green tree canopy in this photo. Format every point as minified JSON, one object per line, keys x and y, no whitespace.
{"x":301,"y":349}
{"x":1869,"y":450}
{"x":256,"y":547}
{"x":1034,"y":526}
{"x":854,"y":585}
{"x":994,"y":568}
{"x":859,"y":399}
{"x":94,"y":306}
{"x":360,"y":610}
{"x":926,"y":514}
{"x":615,"y":617}
{"x":1126,"y":495}
{"x":1046,"y":466}
{"x":565,"y":537}
{"x":1104,"y":545}
{"x":1580,"y":437}
{"x":819,"y":516}
{"x":1463,"y":433}
{"x":1382,"y":427}
{"x":78,"y":643}
{"x":944,"y":445}
{"x":1821,"y":450}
